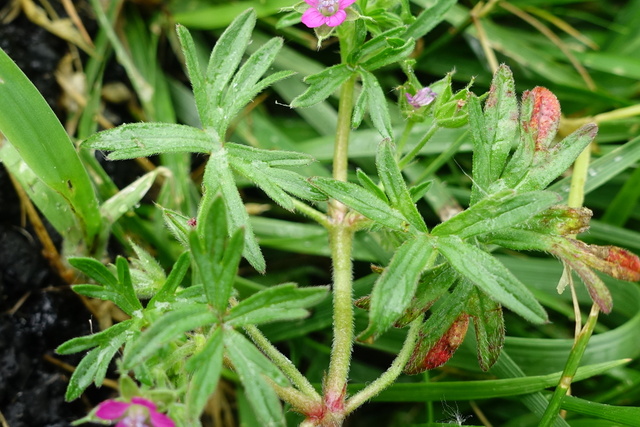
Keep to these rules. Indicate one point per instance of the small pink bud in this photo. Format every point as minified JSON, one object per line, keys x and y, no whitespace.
{"x":423,"y":97}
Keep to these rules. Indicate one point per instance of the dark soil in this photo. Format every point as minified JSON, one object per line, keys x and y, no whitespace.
{"x":38,"y":311}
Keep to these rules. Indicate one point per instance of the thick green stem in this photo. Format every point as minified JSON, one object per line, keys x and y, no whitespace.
{"x":391,"y":374}
{"x":341,"y":242}
{"x":570,"y":368}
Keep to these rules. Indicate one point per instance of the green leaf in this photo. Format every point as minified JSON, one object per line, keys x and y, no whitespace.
{"x":205,"y":368}
{"x":362,"y":201}
{"x":93,"y":367}
{"x":223,"y":62}
{"x":428,"y":19}
{"x":501,"y":120}
{"x":250,"y":365}
{"x":395,"y":186}
{"x":322,"y":85}
{"x":489,"y":327}
{"x":146,"y":139}
{"x":396,"y":50}
{"x":218,"y":180}
{"x":368,"y":183}
{"x":432,"y":285}
{"x":497,"y":211}
{"x":127,"y":198}
{"x":258,"y":173}
{"x":557,"y":159}
{"x":167,"y":292}
{"x":481,"y":151}
{"x":78,"y":344}
{"x":373,"y":47}
{"x":492,"y":277}
{"x":125,"y":285}
{"x":168,"y":327}
{"x":377,"y":104}
{"x":271,"y":157}
{"x":394,"y":290}
{"x":100,"y":292}
{"x":436,"y":326}
{"x":272,"y":303}
{"x":480,"y":389}
{"x":95,"y":270}
{"x":245,"y":86}
{"x":193,"y":69}
{"x":627,"y":415}
{"x":29,"y":124}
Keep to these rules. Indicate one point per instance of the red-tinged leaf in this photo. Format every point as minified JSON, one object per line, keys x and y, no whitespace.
{"x":611,"y":260}
{"x":488,"y":323}
{"x":443,"y":349}
{"x":544,"y":119}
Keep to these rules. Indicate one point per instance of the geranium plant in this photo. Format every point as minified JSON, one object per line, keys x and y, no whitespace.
{"x":184,"y":331}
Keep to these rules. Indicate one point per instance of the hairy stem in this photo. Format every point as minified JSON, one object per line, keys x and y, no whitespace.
{"x":391,"y":374}
{"x":286,"y":366}
{"x":341,"y":242}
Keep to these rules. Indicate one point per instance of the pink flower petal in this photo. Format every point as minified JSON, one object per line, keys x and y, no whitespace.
{"x":336,"y":19}
{"x":111,"y":409}
{"x":344,"y":3}
{"x":313,"y":3}
{"x":144,"y":402}
{"x":312,"y":18}
{"x":161,"y":420}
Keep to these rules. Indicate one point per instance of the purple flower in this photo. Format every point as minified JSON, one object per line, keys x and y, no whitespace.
{"x":424,"y":96}
{"x":325,"y":12}
{"x":139,"y":413}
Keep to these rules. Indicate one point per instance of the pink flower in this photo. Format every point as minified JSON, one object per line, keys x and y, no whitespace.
{"x":424,"y":96}
{"x":139,"y":413}
{"x":325,"y":12}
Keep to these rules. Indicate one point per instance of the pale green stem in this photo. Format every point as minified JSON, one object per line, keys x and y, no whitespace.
{"x":405,"y":137}
{"x":281,"y":361}
{"x":575,"y":199}
{"x":391,"y":374}
{"x":414,"y":152}
{"x":570,"y":368}
{"x":579,"y":178}
{"x":341,"y":242}
{"x":312,"y":213}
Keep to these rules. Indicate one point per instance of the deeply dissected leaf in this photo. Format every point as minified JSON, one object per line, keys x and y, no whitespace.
{"x":428,"y":19}
{"x":168,"y":289}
